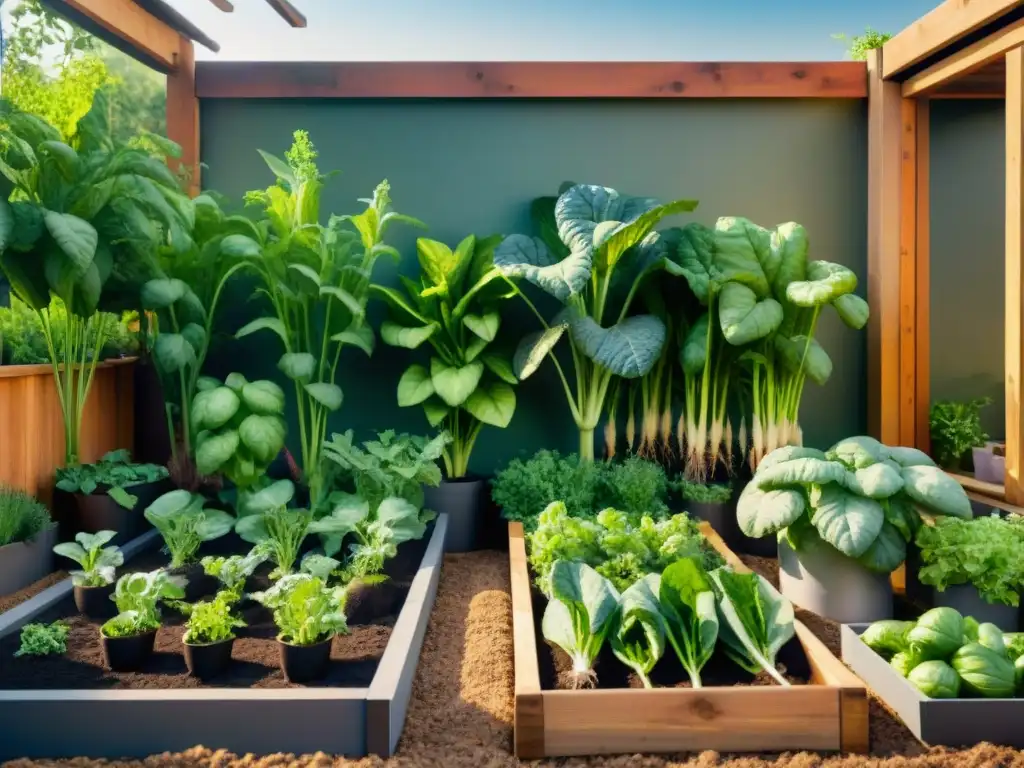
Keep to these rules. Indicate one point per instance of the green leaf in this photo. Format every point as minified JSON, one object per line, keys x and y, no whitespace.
{"x":744,"y":255}
{"x":351,"y":302}
{"x":756,"y":621}
{"x":297,"y":366}
{"x":848,"y":522}
{"x":500,"y":366}
{"x":580,"y":613}
{"x":628,"y":349}
{"x":162,"y":292}
{"x":328,"y":395}
{"x":361,"y":337}
{"x":263,"y":323}
{"x":215,"y":451}
{"x":744,"y":318}
{"x":173,"y":352}
{"x":625,"y":235}
{"x":852,"y":310}
{"x":825,"y":283}
{"x":522,"y":256}
{"x":77,"y":238}
{"x":278,"y":167}
{"x":534,"y":348}
{"x":240,"y":247}
{"x":310,"y":280}
{"x":397,"y":335}
{"x":262,"y":435}
{"x":66,"y":158}
{"x":936,"y":491}
{"x":236,"y":383}
{"x":762,"y":513}
{"x":887,"y":552}
{"x":213,"y":408}
{"x":691,"y":621}
{"x":485,"y":326}
{"x":638,"y":640}
{"x":879,"y":481}
{"x":436,"y":261}
{"x":415,"y":386}
{"x":277,"y":494}
{"x":407,"y":314}
{"x":474,"y":348}
{"x":492,"y":404}
{"x":452,"y":384}
{"x":816,"y":362}
{"x":263,"y":397}
{"x":435,"y":411}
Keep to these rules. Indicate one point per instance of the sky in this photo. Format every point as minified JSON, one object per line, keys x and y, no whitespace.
{"x":545,"y":30}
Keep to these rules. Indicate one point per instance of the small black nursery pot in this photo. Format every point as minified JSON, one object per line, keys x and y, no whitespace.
{"x":208,"y":660}
{"x":303,"y":663}
{"x":95,"y":602}
{"x":128,"y":654}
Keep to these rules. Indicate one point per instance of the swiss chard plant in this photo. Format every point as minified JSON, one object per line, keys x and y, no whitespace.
{"x":185,"y":522}
{"x":84,"y":223}
{"x":98,"y":562}
{"x":585,"y":236}
{"x":316,"y":279}
{"x":454,"y":308}
{"x":860,"y":497}
{"x":114,"y":474}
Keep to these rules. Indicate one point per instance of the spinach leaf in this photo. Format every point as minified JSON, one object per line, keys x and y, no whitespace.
{"x":639,"y":637}
{"x":688,"y":605}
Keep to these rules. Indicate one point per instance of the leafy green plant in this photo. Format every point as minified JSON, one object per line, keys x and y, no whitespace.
{"x":392,"y":465}
{"x":618,"y":549}
{"x":21,"y":516}
{"x":688,"y":604}
{"x":210,"y":621}
{"x":185,"y":523}
{"x":585,"y":236}
{"x":860,"y":497}
{"x":306,"y":610}
{"x":22,"y":341}
{"x":99,"y":563}
{"x":986,"y":552}
{"x":955,"y":429}
{"x":44,"y":639}
{"x":83,"y":223}
{"x":702,"y":493}
{"x":638,"y":638}
{"x":579,"y":616}
{"x":887,"y":637}
{"x":317,"y":281}
{"x":453,"y":307}
{"x":240,"y":428}
{"x":755,"y":621}
{"x":232,"y":571}
{"x":984,"y":672}
{"x":935,"y":679}
{"x":524,"y":489}
{"x":113,"y":474}
{"x":138,"y":597}
{"x":859,"y":45}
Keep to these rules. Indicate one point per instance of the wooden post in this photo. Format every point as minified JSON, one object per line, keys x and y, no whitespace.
{"x":923,"y":376}
{"x":908,"y":274}
{"x":884,"y":168}
{"x":183,"y":113}
{"x":1014,"y":277}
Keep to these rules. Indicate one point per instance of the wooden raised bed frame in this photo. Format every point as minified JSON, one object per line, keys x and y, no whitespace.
{"x":830,"y":714}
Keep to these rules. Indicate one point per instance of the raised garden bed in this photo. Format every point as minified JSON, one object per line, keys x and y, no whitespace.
{"x":946,"y":722}
{"x":829,"y":713}
{"x":359,"y":709}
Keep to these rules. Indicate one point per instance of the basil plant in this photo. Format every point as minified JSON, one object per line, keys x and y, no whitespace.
{"x":582,"y":255}
{"x":860,"y":497}
{"x":317,"y":280}
{"x":454,"y":308}
{"x":83,"y":224}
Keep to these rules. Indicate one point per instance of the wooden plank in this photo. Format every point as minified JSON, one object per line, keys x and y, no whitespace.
{"x":288,"y":12}
{"x":989,"y":490}
{"x":965,"y":61}
{"x":908,"y":274}
{"x":997,"y":503}
{"x":1014,"y":355}
{"x":183,"y":115}
{"x":743,"y":719}
{"x":939,"y":28}
{"x":532,"y":79}
{"x":960,"y":95}
{"x":884,"y":168}
{"x":826,"y":669}
{"x":716,"y":541}
{"x":923,"y":377}
{"x":143,"y":33}
{"x":529,"y":702}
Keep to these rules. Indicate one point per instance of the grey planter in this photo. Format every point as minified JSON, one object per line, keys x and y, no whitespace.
{"x":25,"y":562}
{"x":821,"y":579}
{"x":105,"y":723}
{"x":463,"y":501}
{"x":965,"y":599}
{"x":988,"y":467}
{"x":946,"y":722}
{"x":720,"y":515}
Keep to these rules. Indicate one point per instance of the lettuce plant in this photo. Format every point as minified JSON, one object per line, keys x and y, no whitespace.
{"x":83,"y":223}
{"x":579,"y":616}
{"x":860,"y":497}
{"x":317,"y":280}
{"x":138,"y":597}
{"x":585,"y":236}
{"x":687,"y":602}
{"x":638,"y":637}
{"x":210,"y":621}
{"x":453,"y":307}
{"x":44,"y":639}
{"x":185,"y":523}
{"x":99,"y":563}
{"x":986,"y":552}
{"x":306,"y":610}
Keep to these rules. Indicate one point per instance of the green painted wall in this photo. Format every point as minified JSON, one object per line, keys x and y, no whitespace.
{"x":474,"y":166}
{"x":967,"y":259}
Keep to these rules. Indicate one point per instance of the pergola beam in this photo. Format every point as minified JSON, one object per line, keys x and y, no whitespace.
{"x":939,"y":29}
{"x":965,"y":61}
{"x":183,"y":115}
{"x":288,"y":12}
{"x":1014,"y":355}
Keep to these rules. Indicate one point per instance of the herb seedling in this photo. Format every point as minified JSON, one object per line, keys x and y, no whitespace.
{"x":138,"y":597}
{"x":43,"y":639}
{"x":210,"y":621}
{"x":98,"y":562}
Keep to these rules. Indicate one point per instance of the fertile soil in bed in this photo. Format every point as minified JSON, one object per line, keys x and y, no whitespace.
{"x":255,"y":656}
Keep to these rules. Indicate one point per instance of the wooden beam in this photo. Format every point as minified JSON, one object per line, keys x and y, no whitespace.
{"x":223,"y":5}
{"x":964,"y":95}
{"x":884,"y":193}
{"x":923,"y":365}
{"x":908,"y":274}
{"x":1014,"y":357}
{"x":532,"y":79}
{"x":980,"y":487}
{"x":938,"y":29}
{"x":152,"y":40}
{"x":183,"y":114}
{"x":963,"y":62}
{"x":288,"y":12}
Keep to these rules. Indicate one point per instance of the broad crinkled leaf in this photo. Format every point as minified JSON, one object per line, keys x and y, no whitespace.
{"x":492,"y":403}
{"x":695,"y":254}
{"x":745,"y":318}
{"x":789,"y":243}
{"x":581,"y":208}
{"x":756,"y":621}
{"x":936,"y":491}
{"x":858,"y":452}
{"x":628,"y":349}
{"x":415,"y":386}
{"x":264,"y":397}
{"x":910,"y":457}
{"x":743,"y":254}
{"x":534,"y":348}
{"x":612,"y":240}
{"x":798,"y":472}
{"x":522,"y":256}
{"x":879,"y":481}
{"x":887,"y":552}
{"x":213,"y":452}
{"x":788,"y":453}
{"x":77,"y":238}
{"x":213,"y":408}
{"x":262,"y":435}
{"x":761,"y":513}
{"x":817,"y":365}
{"x":825,"y":282}
{"x":453,"y":384}
{"x":848,"y":522}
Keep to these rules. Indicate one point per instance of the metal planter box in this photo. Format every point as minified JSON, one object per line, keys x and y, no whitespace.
{"x":135,"y":723}
{"x":947,"y":722}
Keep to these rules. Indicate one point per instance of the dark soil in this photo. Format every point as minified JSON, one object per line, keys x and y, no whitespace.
{"x":255,"y":656}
